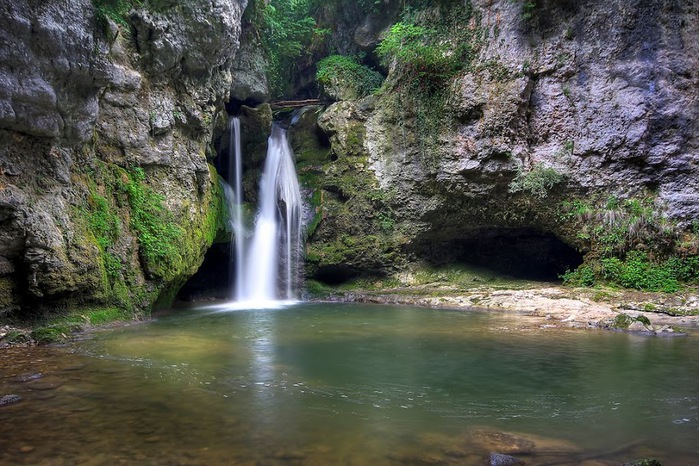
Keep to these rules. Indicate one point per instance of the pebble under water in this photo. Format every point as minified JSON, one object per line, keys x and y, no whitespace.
{"x":323,"y":384}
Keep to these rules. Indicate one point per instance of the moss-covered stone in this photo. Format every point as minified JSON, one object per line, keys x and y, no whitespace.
{"x":626,"y":322}
{"x":351,"y":232}
{"x":142,"y":251}
{"x":622,"y":321}
{"x":15,"y":337}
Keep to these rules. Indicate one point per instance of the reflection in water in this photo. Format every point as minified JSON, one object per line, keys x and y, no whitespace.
{"x":329,"y":384}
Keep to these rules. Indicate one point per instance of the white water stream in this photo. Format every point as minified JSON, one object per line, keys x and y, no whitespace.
{"x":267,"y":263}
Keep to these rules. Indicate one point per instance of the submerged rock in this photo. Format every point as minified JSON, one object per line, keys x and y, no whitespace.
{"x":10,"y":399}
{"x":498,"y":459}
{"x":644,"y":462}
{"x":29,"y":376}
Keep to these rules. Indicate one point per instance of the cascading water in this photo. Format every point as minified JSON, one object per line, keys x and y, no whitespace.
{"x":267,"y":264}
{"x":235,"y":174}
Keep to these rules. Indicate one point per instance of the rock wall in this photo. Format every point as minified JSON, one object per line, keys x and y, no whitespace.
{"x":577,"y":119}
{"x":106,"y":196}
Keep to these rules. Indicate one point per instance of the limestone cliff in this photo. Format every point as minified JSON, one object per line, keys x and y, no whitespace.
{"x":567,"y":120}
{"x":106,"y":196}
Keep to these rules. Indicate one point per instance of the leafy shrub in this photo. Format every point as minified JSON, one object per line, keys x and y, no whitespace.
{"x":425,"y":51}
{"x":431,"y":44}
{"x":686,"y":270}
{"x":537,"y":182}
{"x":637,"y":271}
{"x":582,"y":276}
{"x":287,"y":32}
{"x":54,"y":333}
{"x":416,"y":49}
{"x":617,"y":226}
{"x":347,"y":71}
{"x":528,"y":8}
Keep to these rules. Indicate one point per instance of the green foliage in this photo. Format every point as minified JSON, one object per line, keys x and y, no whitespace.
{"x":695,"y":227}
{"x":112,"y":265}
{"x":684,"y":269}
{"x":418,"y":52}
{"x":637,"y":271}
{"x":427,"y":52}
{"x":575,"y":209}
{"x":288,"y":33}
{"x":116,"y":10}
{"x":53,"y":333}
{"x":317,"y":289}
{"x":348,"y":71}
{"x":619,"y":225}
{"x":16,"y":336}
{"x":582,"y":276}
{"x":528,"y":8}
{"x":631,"y":245}
{"x":103,"y":221}
{"x":158,"y":234}
{"x":537,"y":182}
{"x":101,"y":316}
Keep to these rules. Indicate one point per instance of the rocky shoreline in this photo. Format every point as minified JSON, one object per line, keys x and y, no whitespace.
{"x":551,"y":306}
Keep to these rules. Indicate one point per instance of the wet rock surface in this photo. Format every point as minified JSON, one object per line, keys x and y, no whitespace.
{"x":9,"y":399}
{"x":498,"y":459}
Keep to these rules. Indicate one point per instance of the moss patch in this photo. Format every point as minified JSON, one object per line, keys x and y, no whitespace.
{"x":143,"y":250}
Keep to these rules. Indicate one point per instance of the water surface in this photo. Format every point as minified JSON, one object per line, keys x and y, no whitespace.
{"x":323,"y":384}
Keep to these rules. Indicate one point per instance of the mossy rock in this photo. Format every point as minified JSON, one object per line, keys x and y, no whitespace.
{"x":54,"y":333}
{"x":622,"y":321}
{"x":14,"y":337}
{"x":626,"y":322}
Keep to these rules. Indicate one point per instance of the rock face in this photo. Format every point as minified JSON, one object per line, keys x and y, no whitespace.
{"x":106,"y":196}
{"x":249,"y":73}
{"x":572,"y":116}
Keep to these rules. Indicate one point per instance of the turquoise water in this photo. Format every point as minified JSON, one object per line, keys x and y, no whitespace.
{"x":352,"y":384}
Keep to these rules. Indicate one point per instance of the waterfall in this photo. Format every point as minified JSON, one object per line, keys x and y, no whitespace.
{"x":235,"y":174}
{"x":267,"y":264}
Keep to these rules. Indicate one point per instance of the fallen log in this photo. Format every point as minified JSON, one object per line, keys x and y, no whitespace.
{"x":276,"y":105}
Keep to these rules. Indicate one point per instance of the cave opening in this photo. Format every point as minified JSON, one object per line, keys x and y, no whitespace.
{"x":212,"y":280}
{"x":334,"y":275}
{"x":521,"y":253}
